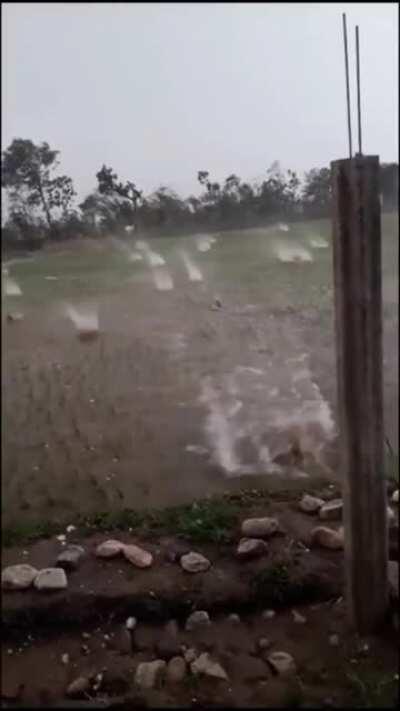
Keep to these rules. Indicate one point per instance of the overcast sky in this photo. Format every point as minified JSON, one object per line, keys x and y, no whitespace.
{"x":159,"y":91}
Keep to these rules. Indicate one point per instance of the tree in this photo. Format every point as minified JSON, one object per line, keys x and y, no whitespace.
{"x":108,"y":185}
{"x":317,"y":192}
{"x":26,"y":173}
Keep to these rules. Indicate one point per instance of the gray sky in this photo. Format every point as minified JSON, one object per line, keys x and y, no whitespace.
{"x":159,"y":91}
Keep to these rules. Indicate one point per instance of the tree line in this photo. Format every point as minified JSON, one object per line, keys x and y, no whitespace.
{"x":42,"y":203}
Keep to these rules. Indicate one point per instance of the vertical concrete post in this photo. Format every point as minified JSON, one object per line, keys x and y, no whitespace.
{"x":358,"y":324}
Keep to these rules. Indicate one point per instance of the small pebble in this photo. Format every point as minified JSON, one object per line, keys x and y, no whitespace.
{"x":234,"y":618}
{"x":131,"y":623}
{"x":268,"y":614}
{"x":86,"y":635}
{"x":334,"y":640}
{"x":71,"y":528}
{"x":10,"y":651}
{"x":62,"y":537}
{"x":299,"y":619}
{"x":65,"y":659}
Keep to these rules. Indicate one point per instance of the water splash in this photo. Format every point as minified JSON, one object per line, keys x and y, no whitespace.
{"x":193,"y":271}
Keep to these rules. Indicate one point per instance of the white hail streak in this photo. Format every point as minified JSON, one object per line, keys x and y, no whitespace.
{"x":194,"y":272}
{"x":84,"y":319}
{"x":162,"y":279}
{"x":11,"y":287}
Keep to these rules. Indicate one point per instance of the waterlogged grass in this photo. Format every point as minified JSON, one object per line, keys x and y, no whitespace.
{"x":212,"y":520}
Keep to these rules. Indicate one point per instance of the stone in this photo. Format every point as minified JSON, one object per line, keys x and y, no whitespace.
{"x":176,"y":670}
{"x":395,"y":497}
{"x":16,"y":316}
{"x":199,"y":618}
{"x":282,"y":663}
{"x":150,"y":674}
{"x":109,"y":549}
{"x":168,"y":645}
{"x":249,"y":548}
{"x":131,"y":623}
{"x":234,"y":618}
{"x":298,"y":618}
{"x":268,"y":614}
{"x":327,"y":538}
{"x":137,"y":556}
{"x":18,"y":577}
{"x":190,"y":655}
{"x":332,"y":510}
{"x":206,"y":666}
{"x":194,"y":563}
{"x":263,"y":644}
{"x":175,"y":550}
{"x":393,"y":577}
{"x":78,"y":688}
{"x":310,"y":504}
{"x":70,"y":557}
{"x":50,"y":579}
{"x":260,"y":527}
{"x":65,"y":659}
{"x":334,"y":640}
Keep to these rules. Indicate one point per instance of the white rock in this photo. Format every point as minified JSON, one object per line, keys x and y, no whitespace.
{"x":176,"y":670}
{"x":190,"y":655}
{"x":62,"y":538}
{"x":327,"y":538}
{"x":334,"y":640}
{"x":18,"y":577}
{"x":310,"y":504}
{"x":206,"y":666}
{"x":298,"y":618}
{"x":194,"y":563}
{"x":268,"y":614}
{"x":78,"y":687}
{"x":131,"y":623}
{"x":70,"y":557}
{"x":331,"y":510}
{"x":70,"y":528}
{"x":251,"y":548}
{"x":259,"y":527}
{"x":149,"y":674}
{"x":395,"y":497}
{"x":263,"y":644}
{"x":51,"y":579}
{"x":109,"y":549}
{"x":234,"y":618}
{"x":282,"y":663}
{"x":137,"y":556}
{"x":65,"y":659}
{"x":199,"y":618}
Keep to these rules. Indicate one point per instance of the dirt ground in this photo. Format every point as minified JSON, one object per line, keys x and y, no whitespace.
{"x":173,"y":400}
{"x":87,"y":622}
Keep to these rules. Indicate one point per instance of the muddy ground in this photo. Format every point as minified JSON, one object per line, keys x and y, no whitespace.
{"x":175,"y":399}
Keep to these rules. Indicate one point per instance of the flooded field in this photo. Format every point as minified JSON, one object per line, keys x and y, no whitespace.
{"x":152,"y":372}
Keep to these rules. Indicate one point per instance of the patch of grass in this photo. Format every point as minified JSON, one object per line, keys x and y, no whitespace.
{"x":210,"y":520}
{"x":273,"y":582}
{"x":21,"y":533}
{"x":372,"y":689}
